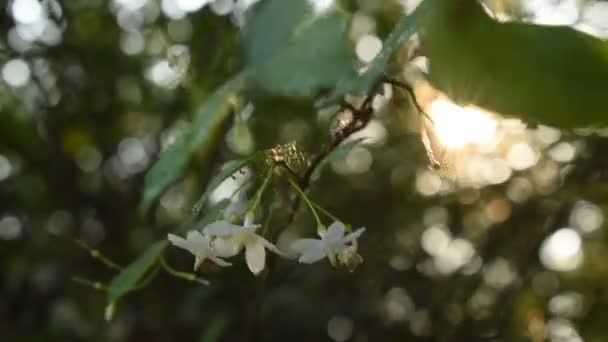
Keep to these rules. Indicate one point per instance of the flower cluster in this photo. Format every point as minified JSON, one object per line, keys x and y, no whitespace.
{"x":333,"y":243}
{"x":223,"y":239}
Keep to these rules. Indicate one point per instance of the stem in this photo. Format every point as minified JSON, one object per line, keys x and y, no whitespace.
{"x":148,"y":279}
{"x":410,"y":91}
{"x":97,"y":255}
{"x":258,"y":195}
{"x":96,"y":285}
{"x":325,"y":212}
{"x":302,"y":194}
{"x":181,"y":275}
{"x":362,"y":116}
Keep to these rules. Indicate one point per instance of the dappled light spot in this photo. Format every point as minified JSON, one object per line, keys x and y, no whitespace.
{"x":547,"y":135}
{"x":5,"y":168}
{"x":132,"y":5}
{"x":163,"y":75}
{"x":320,"y":6}
{"x":456,"y":255}
{"x":499,"y":273}
{"x":191,"y":5}
{"x":436,"y":215}
{"x":10,"y":228}
{"x":222,"y":7}
{"x":567,"y":305}
{"x":361,"y":24}
{"x":521,"y":156}
{"x":420,"y":323}
{"x":172,"y":10}
{"x":175,"y":203}
{"x":368,"y":47}
{"x":16,"y":72}
{"x":398,"y":305}
{"x":498,"y":210}
{"x":400,"y":263}
{"x":428,"y":183}
{"x":92,"y":231}
{"x":373,"y":134}
{"x":481,"y":302}
{"x":562,"y":251}
{"x":132,"y":43}
{"x":27,"y":11}
{"x":60,"y":222}
{"x":358,"y":160}
{"x":563,"y":152}
{"x":435,"y":239}
{"x":340,"y":328}
{"x":88,"y":158}
{"x":562,"y":330}
{"x":133,"y":154}
{"x":586,"y":217}
{"x":547,"y":12}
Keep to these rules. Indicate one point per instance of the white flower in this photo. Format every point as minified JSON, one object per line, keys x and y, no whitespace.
{"x":333,"y":242}
{"x":231,"y":239}
{"x":200,"y":246}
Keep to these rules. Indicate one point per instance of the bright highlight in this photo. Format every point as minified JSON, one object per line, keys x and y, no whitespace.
{"x":457,"y":126}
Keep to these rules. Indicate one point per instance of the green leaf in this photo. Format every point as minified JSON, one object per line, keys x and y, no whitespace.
{"x":270,"y":27}
{"x":313,"y":56}
{"x":402,"y":32}
{"x":128,"y":278}
{"x":340,"y":152}
{"x":201,"y":134}
{"x":550,"y":75}
{"x":227,"y":170}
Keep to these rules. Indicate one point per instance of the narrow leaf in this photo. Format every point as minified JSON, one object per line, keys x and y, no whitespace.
{"x":201,"y":135}
{"x":128,"y":279}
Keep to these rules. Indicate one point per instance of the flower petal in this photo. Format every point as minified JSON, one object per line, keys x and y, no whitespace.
{"x":191,"y":244}
{"x":354,"y":235}
{"x":177,"y":241}
{"x":255,"y":255}
{"x":268,"y":245}
{"x":335,"y":232}
{"x":219,"y":261}
{"x":221,"y":228}
{"x":312,"y":255}
{"x":197,"y":262}
{"x":196,"y":238}
{"x":226,"y":247}
{"x":302,"y":245}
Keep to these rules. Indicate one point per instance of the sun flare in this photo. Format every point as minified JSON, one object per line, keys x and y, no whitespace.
{"x":458,"y":126}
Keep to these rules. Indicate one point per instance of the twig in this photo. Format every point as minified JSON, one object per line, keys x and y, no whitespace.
{"x":410,"y":91}
{"x":362,"y":117}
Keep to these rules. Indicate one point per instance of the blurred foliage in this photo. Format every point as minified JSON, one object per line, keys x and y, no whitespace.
{"x":108,"y":140}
